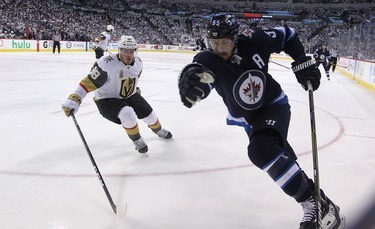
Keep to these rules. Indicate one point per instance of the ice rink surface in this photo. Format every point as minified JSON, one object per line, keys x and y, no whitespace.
{"x":201,"y":179}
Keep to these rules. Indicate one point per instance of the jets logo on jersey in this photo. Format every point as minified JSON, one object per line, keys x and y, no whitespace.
{"x":249,"y":88}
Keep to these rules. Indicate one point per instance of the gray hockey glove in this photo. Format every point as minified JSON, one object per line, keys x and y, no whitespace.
{"x":194,"y":83}
{"x":305,"y":70}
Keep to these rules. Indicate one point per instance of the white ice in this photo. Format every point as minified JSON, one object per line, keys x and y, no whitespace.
{"x":201,"y":179}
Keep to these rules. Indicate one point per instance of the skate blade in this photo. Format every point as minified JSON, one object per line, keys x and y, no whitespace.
{"x":330,"y":222}
{"x":343,"y":222}
{"x":166,"y":139}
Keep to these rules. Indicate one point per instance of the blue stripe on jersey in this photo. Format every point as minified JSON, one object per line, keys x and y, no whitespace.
{"x":289,"y":33}
{"x":281,"y":99}
{"x":232,"y":121}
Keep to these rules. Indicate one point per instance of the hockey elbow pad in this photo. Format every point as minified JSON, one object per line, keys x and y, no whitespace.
{"x":194,"y":83}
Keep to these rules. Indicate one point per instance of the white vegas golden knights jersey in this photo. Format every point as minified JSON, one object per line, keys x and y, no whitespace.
{"x":114,"y":79}
{"x":103,"y":40}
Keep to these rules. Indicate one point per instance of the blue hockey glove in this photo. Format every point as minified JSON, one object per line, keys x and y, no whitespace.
{"x":305,"y":70}
{"x":194,"y":83}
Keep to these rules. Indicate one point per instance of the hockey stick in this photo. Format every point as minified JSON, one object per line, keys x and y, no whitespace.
{"x":341,"y":66}
{"x":280,"y":64}
{"x":318,"y":211}
{"x":116,"y":210}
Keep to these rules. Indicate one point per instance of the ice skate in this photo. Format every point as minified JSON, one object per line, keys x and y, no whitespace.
{"x":140,"y":146}
{"x":331,"y":217}
{"x":163,"y":133}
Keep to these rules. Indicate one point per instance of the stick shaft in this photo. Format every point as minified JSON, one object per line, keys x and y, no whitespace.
{"x":94,"y":164}
{"x":318,"y":211}
{"x":280,"y":64}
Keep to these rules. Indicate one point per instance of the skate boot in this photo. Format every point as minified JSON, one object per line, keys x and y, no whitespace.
{"x":140,"y":146}
{"x":331,"y":217}
{"x":163,"y":133}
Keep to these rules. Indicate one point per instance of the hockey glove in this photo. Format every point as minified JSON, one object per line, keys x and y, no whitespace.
{"x":329,"y":60}
{"x":194,"y":83}
{"x":138,"y":90}
{"x":305,"y":70}
{"x":95,"y":45}
{"x":71,"y":104}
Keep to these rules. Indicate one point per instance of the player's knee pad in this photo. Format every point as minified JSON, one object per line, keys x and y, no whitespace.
{"x":127,"y":117}
{"x":151,"y":119}
{"x":264,"y":146}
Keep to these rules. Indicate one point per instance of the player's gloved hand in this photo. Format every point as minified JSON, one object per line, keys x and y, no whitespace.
{"x":329,"y":60}
{"x":71,"y":104}
{"x":194,"y":83}
{"x":95,"y":45}
{"x":305,"y":70}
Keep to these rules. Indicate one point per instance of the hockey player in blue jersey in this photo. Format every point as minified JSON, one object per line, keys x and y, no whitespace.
{"x":236,"y":65}
{"x":322,"y":56}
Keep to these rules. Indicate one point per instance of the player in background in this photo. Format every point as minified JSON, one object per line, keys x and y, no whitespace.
{"x":200,"y":44}
{"x":236,"y":65}
{"x":334,"y":57}
{"x":114,"y":79}
{"x":321,"y":56}
{"x":100,"y":44}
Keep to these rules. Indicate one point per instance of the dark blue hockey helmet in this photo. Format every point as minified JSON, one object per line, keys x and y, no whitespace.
{"x":222,"y":26}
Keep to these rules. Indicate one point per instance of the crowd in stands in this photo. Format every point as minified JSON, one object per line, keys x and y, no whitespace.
{"x":182,"y":22}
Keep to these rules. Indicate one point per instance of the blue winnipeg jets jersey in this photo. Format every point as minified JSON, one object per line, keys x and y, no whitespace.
{"x":321,"y":55}
{"x":244,"y":82}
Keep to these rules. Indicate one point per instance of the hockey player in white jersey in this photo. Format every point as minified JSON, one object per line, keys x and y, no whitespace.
{"x":114,"y":80}
{"x":100,"y":45}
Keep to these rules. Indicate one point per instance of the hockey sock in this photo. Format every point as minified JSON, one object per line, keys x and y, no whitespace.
{"x":155,"y":127}
{"x":289,"y":176}
{"x":133,"y":133}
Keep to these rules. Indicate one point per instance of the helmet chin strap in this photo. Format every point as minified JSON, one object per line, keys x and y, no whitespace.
{"x":236,"y":59}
